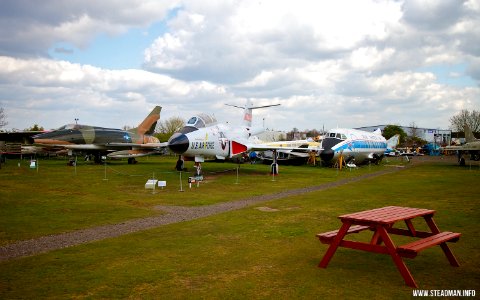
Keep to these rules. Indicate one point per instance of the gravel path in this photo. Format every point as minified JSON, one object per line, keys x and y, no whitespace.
{"x":174,"y":214}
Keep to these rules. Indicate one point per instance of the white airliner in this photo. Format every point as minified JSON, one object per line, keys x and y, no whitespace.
{"x":360,"y":146}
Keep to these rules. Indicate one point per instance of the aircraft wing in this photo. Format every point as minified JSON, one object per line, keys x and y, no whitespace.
{"x":290,"y":149}
{"x":135,"y":150}
{"x":147,"y":145}
{"x":462,"y":148}
{"x":116,"y":150}
{"x":453,"y":148}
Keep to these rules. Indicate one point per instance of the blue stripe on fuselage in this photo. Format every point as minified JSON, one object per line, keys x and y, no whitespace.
{"x":359,"y":144}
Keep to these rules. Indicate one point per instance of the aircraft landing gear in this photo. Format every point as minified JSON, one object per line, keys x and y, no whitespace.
{"x":274,"y":165}
{"x":97,"y":158}
{"x":377,"y":159}
{"x":132,"y":161}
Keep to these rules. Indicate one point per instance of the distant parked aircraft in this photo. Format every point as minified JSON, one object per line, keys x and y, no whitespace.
{"x":472,"y":147}
{"x":392,"y":144}
{"x":99,"y":141}
{"x":352,"y":144}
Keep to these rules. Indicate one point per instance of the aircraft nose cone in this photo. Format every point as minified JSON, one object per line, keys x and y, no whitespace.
{"x":178,"y":143}
{"x":326,"y":154}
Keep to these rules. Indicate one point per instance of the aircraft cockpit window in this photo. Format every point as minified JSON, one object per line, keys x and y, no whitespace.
{"x":192,"y":121}
{"x":332,"y":135}
{"x":208,"y":119}
{"x":201,"y":121}
{"x":68,"y":126}
{"x":196,"y":122}
{"x":344,"y":137}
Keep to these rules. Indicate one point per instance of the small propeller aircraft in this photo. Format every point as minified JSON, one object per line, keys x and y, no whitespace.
{"x":352,"y":144}
{"x":99,"y":141}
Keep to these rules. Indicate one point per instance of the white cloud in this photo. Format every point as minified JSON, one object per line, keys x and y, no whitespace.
{"x":28,"y":28}
{"x":345,"y":63}
{"x":54,"y":87}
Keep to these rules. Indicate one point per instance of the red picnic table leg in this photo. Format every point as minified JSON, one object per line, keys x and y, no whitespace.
{"x":334,"y":245}
{"x":392,"y":250}
{"x":448,"y":253}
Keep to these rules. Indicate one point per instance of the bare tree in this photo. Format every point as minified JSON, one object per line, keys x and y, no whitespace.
{"x":3,"y":118}
{"x":171,"y":125}
{"x":472,"y":119}
{"x":168,"y":127}
{"x":413,"y":130}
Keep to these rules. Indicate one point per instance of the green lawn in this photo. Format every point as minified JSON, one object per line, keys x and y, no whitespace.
{"x":58,"y":198}
{"x":241,"y":254}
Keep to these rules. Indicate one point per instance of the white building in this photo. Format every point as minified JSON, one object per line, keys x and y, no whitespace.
{"x":431,"y":135}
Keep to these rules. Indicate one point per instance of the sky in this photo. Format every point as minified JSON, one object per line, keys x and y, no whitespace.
{"x":329,"y":64}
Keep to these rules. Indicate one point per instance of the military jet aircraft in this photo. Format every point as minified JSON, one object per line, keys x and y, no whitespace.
{"x":99,"y":141}
{"x":472,"y":147}
{"x":204,"y":137}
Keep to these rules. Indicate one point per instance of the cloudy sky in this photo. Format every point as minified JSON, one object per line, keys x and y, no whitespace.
{"x":328,"y":63}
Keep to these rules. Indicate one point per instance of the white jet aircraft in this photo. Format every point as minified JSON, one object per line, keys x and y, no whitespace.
{"x":352,"y":144}
{"x":203,"y":137}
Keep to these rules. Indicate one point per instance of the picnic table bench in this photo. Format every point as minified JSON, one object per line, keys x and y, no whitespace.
{"x":381,"y":221}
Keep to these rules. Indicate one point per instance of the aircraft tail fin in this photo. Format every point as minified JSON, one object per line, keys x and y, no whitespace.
{"x":469,"y":137}
{"x":393,"y":141}
{"x":248,"y":110}
{"x":149,"y":123}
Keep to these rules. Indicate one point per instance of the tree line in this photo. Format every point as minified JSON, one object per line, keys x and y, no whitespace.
{"x":168,"y":127}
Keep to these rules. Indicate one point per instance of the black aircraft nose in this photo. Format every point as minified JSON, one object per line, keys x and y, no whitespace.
{"x":178,"y":143}
{"x":326,"y":155}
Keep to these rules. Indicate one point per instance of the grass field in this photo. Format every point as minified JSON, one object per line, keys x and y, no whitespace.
{"x":246,"y":253}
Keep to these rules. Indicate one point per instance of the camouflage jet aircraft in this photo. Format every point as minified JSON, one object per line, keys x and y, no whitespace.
{"x":99,"y":141}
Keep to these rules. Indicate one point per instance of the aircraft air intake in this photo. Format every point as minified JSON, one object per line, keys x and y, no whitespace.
{"x":178,"y":143}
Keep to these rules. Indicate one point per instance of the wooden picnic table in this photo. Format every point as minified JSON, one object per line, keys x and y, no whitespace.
{"x":381,"y":221}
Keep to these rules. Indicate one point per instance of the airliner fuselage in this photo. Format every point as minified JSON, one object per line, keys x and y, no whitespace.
{"x":352,"y":144}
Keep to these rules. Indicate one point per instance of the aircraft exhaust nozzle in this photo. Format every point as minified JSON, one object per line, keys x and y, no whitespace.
{"x":326,"y":155}
{"x":178,"y":143}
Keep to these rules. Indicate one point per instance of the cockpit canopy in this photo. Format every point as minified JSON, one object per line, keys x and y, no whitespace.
{"x":201,"y":121}
{"x":71,"y":126}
